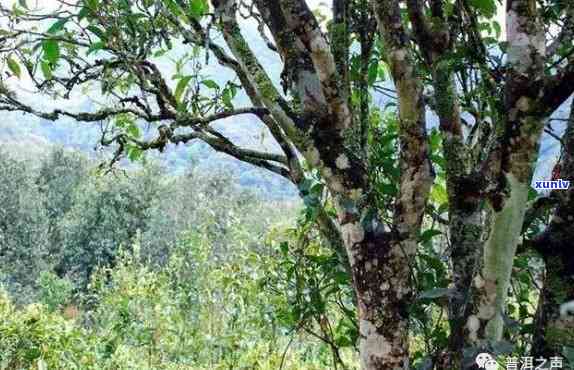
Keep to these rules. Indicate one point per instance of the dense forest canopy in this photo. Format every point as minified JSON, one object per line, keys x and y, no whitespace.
{"x":428,"y":244}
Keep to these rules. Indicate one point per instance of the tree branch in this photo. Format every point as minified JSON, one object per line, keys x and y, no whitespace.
{"x":256,"y":158}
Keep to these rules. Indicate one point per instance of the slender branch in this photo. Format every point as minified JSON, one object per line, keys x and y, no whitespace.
{"x":187,"y":121}
{"x":253,"y":157}
{"x":97,"y":116}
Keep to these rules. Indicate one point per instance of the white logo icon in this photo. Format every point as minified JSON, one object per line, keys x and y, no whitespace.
{"x":491,"y":365}
{"x":485,"y":361}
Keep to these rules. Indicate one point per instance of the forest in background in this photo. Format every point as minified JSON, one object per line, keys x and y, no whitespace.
{"x":145,"y":270}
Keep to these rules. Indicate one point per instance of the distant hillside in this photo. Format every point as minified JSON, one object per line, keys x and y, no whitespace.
{"x":29,"y":137}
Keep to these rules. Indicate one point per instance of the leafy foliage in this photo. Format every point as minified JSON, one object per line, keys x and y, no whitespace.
{"x":23,"y":229}
{"x":201,"y":311}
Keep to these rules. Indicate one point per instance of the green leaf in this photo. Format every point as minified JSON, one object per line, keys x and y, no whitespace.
{"x":569,"y":354}
{"x":23,"y":4}
{"x":95,"y":47}
{"x":98,"y":32}
{"x":92,"y":4}
{"x":159,"y":53}
{"x":343,"y":341}
{"x":284,"y":247}
{"x":227,"y":99}
{"x":46,"y":70}
{"x":429,"y":234}
{"x":497,"y":29}
{"x":57,"y":26}
{"x":51,"y":50}
{"x":14,"y":66}
{"x":439,"y":194}
{"x":341,"y":277}
{"x":389,"y":189}
{"x":382,"y":71}
{"x":134,"y":153}
{"x":133,"y":130}
{"x":210,"y":84}
{"x":17,"y":11}
{"x":486,"y":8}
{"x":198,"y":8}
{"x":173,"y":7}
{"x":180,"y":88}
{"x":373,"y":73}
{"x":83,"y":13}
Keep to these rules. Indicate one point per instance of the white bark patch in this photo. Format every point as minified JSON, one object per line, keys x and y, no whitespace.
{"x":540,"y":43}
{"x":225,"y":10}
{"x":372,"y":344}
{"x":523,"y":104}
{"x":522,"y":46}
{"x":368,"y":266}
{"x":342,"y":162}
{"x":486,"y":311}
{"x":414,"y":188}
{"x":336,"y":185}
{"x":557,"y":219}
{"x":473,"y":324}
{"x":356,"y":194}
{"x":353,"y":233}
{"x":517,"y":41}
{"x":399,"y":55}
{"x":478,"y":282}
{"x":322,"y":60}
{"x":310,"y":86}
{"x":313,"y":157}
{"x":402,"y":291}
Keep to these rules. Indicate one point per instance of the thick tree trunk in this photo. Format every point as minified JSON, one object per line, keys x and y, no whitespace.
{"x":385,"y":290}
{"x":499,"y":250}
{"x":555,"y":329}
{"x":380,"y":259}
{"x":466,"y":221}
{"x":381,"y":276}
{"x":554,"y":322}
{"x":465,"y":229}
{"x":513,"y":160}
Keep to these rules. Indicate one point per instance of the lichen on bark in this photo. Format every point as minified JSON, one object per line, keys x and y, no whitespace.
{"x":499,"y":252}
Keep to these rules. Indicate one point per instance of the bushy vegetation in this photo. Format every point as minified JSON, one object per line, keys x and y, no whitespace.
{"x":199,"y":312}
{"x":67,"y":216}
{"x":142,"y":270}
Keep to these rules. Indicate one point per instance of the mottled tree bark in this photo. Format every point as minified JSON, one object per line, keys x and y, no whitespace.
{"x":553,"y":328}
{"x":514,"y":158}
{"x":384,"y":343}
{"x":380,"y":259}
{"x":435,"y":36}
